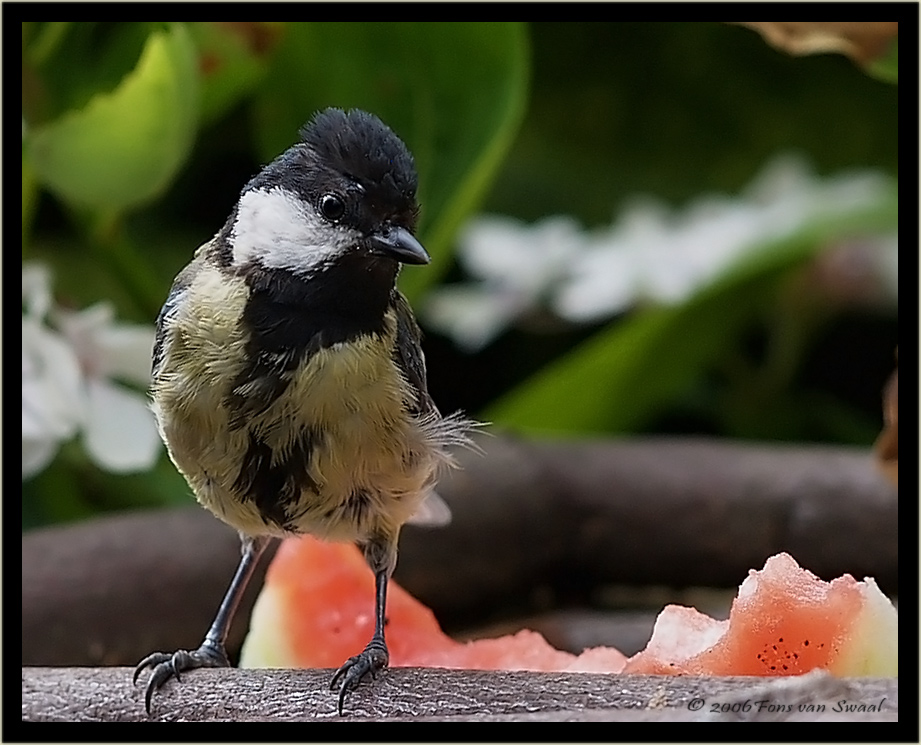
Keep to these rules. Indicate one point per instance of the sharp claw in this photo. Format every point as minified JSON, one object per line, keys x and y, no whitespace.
{"x":372,"y":660}
{"x":340,"y":673}
{"x":147,"y":697}
{"x":165,"y":666}
{"x":151,"y":660}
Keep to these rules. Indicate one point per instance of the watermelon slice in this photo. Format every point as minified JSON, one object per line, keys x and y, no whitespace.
{"x":784,"y":621}
{"x":316,"y":609}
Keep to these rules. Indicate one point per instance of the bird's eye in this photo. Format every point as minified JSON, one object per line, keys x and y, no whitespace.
{"x":332,"y":207}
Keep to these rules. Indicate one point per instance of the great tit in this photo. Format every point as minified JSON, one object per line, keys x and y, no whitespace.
{"x":288,"y":380}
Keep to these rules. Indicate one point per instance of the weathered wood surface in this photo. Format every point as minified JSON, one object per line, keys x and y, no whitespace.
{"x":407,"y":694}
{"x":557,"y":521}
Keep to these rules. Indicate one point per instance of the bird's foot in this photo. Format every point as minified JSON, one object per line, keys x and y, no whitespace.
{"x":372,"y":659}
{"x":166,"y":665}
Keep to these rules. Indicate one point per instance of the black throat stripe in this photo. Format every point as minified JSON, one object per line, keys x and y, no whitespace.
{"x":288,"y":319}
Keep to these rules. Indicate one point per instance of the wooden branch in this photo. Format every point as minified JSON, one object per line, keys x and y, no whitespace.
{"x":553,"y":519}
{"x":657,"y":511}
{"x":410,"y":694}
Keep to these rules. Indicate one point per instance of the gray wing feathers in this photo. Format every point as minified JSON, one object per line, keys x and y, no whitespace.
{"x":408,"y":355}
{"x":173,"y":302}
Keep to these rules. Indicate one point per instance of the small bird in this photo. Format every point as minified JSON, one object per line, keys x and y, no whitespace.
{"x":289,"y":384}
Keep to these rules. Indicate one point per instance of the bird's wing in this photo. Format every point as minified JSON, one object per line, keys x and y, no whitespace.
{"x":170,"y":306}
{"x":408,"y":355}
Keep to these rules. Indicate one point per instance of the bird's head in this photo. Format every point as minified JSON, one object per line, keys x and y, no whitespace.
{"x":345,"y":193}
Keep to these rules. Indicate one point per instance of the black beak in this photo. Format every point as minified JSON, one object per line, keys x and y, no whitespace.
{"x":398,"y":243}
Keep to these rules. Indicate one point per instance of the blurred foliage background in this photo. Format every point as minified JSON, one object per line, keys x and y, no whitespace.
{"x":137,"y":138}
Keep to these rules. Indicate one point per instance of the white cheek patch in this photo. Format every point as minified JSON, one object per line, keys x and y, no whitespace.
{"x":278,"y":230}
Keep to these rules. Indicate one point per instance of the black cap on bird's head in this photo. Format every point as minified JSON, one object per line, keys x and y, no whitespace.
{"x":347,"y":188}
{"x":361,"y":145}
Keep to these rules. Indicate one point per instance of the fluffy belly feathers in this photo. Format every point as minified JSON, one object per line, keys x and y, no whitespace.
{"x":335,"y":455}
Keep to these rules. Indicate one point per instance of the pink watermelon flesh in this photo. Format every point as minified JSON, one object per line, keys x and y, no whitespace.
{"x":785,"y":621}
{"x":317,"y":610}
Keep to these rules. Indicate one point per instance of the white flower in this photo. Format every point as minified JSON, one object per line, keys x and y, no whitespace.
{"x":518,"y":264}
{"x":649,"y":253}
{"x":525,"y":257}
{"x":69,"y":382}
{"x":608,"y":277}
{"x":51,"y":395}
{"x":474,"y":314}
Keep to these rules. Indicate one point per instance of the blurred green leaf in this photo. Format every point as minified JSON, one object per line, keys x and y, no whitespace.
{"x":66,"y":64}
{"x":124,"y":147}
{"x":629,"y":371}
{"x":54,"y":495}
{"x":233,"y":61}
{"x":886,"y":67}
{"x":73,"y":488}
{"x":29,"y":200}
{"x":455,"y":92}
{"x":42,"y":40}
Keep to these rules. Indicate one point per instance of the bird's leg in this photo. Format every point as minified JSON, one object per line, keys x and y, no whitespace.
{"x":212,"y":652}
{"x":380,"y":553}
